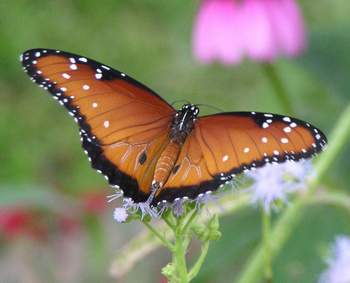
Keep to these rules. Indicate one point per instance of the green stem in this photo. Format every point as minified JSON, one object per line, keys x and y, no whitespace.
{"x":198,"y":265}
{"x":278,"y":88}
{"x":266,"y":224}
{"x":339,"y":199}
{"x":163,"y":240}
{"x":145,"y":243}
{"x":167,"y":219}
{"x":135,"y":250}
{"x":289,"y":219}
{"x":179,"y":256}
{"x":189,"y":220}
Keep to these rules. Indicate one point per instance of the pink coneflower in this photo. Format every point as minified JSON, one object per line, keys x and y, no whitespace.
{"x":262,"y":30}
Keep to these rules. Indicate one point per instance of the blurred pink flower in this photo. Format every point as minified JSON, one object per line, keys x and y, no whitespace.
{"x":262,"y":30}
{"x":217,"y":33}
{"x":19,"y":221}
{"x":68,"y":225}
{"x":14,"y":221}
{"x":94,"y":202}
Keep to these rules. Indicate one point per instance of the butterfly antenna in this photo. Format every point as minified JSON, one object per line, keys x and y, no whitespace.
{"x":211,"y":106}
{"x":180,"y":100}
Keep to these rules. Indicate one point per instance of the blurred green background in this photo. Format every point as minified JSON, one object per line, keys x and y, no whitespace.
{"x":43,"y":167}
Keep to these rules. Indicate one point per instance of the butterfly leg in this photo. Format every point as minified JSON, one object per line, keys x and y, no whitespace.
{"x":154,"y":189}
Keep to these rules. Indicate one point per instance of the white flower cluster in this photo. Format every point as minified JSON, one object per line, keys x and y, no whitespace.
{"x":274,"y":181}
{"x":339,"y":262}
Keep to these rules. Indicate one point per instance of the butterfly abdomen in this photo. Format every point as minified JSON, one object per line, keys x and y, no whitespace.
{"x":182,"y":125}
{"x":166,"y":162}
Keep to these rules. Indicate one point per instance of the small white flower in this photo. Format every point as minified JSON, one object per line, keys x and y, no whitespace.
{"x":120,"y":214}
{"x":274,"y":181}
{"x":298,"y":171}
{"x":130,"y":207}
{"x":339,"y":263}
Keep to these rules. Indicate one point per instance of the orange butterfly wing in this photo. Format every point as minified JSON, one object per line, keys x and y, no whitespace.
{"x":124,"y":127}
{"x":123,"y":124}
{"x":226,"y":144}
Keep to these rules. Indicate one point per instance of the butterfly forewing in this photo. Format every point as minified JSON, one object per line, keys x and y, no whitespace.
{"x":124,"y":125}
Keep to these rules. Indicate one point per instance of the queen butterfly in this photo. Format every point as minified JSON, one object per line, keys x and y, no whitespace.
{"x":153,"y":153}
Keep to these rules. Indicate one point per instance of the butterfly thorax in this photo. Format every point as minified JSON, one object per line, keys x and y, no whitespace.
{"x":181,"y":127}
{"x":183,"y":123}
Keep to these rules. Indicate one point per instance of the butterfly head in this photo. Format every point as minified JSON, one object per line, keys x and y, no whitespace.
{"x":183,"y":122}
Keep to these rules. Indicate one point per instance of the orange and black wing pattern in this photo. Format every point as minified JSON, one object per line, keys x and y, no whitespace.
{"x":226,"y":144}
{"x":123,"y":124}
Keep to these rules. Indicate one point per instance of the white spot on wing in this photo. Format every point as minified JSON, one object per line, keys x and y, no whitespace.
{"x":264,"y":139}
{"x":284,"y":140}
{"x":106,"y":124}
{"x":265,"y":125}
{"x":66,"y":76}
{"x":225,"y":158}
{"x":86,"y":87}
{"x":246,"y":149}
{"x":287,"y":129}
